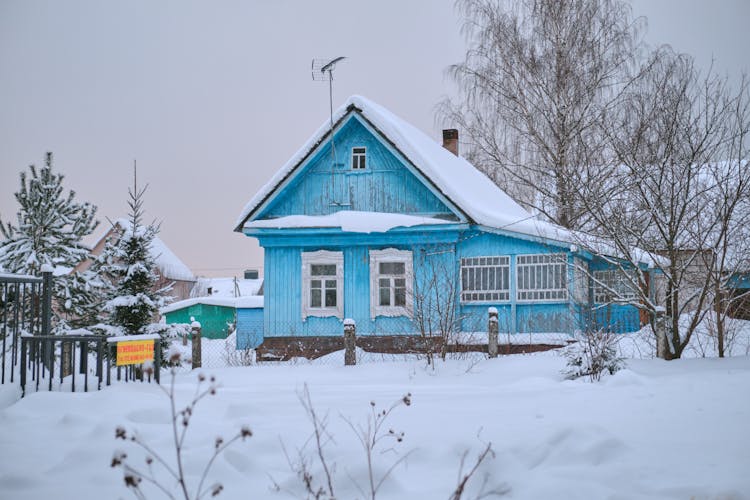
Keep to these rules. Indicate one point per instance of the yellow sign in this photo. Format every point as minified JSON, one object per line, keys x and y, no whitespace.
{"x":134,"y":352}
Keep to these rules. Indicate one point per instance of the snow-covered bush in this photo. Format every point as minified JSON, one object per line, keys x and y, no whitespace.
{"x":594,"y":352}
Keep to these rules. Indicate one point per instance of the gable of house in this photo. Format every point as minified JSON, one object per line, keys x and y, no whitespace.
{"x":467,"y":192}
{"x":326,"y":181}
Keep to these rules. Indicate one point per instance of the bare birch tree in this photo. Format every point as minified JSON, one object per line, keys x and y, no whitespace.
{"x":680,"y":168}
{"x":539,"y":78}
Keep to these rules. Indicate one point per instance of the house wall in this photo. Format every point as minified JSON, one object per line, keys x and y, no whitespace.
{"x":437,"y":260}
{"x":385,"y":185}
{"x":283,"y":282}
{"x":249,"y":327}
{"x":214,"y":320}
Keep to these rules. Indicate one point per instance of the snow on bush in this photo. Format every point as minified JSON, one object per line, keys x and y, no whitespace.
{"x":594,"y":353}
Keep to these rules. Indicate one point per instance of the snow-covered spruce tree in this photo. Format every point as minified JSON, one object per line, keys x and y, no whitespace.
{"x":129,"y":265}
{"x":49,"y":230}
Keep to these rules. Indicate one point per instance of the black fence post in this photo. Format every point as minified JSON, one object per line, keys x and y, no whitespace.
{"x":157,"y":361}
{"x":99,"y":360}
{"x":23,"y":367}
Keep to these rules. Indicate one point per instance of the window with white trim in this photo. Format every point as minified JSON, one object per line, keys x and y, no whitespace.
{"x":485,"y":279}
{"x":581,"y":284}
{"x":542,"y":277}
{"x":322,"y":284}
{"x":391,"y":276}
{"x":359,"y":158}
{"x":613,"y":285}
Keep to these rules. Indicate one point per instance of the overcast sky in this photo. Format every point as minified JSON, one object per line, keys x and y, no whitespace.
{"x":212,"y":98}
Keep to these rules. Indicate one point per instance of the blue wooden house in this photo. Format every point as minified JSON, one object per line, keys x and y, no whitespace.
{"x":375,"y":221}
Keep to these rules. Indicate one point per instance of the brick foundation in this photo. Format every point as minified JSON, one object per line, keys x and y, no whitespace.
{"x":285,"y":348}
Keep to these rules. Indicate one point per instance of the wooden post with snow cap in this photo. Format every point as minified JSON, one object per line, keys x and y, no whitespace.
{"x":492,"y":331}
{"x":350,"y":342}
{"x":195,"y":328}
{"x":660,"y":327}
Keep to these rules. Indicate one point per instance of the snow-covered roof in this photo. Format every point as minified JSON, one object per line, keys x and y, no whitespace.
{"x":464,"y":185}
{"x":349,"y":220}
{"x":253,"y":301}
{"x":166,"y":260}
{"x":457,"y":179}
{"x":226,"y":287}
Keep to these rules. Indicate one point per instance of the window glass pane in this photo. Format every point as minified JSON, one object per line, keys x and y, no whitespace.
{"x":385,"y":296}
{"x":323,"y":269}
{"x":399,"y":282}
{"x":315,"y":283}
{"x":399,"y":296}
{"x":331,"y":284}
{"x":392,"y":268}
{"x":331,"y":298}
{"x":315,"y":297}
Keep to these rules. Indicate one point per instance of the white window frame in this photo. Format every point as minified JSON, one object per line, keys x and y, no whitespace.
{"x":536,"y":272}
{"x":378,"y":257}
{"x":323,"y":257}
{"x":608,"y":280}
{"x":483,"y":271}
{"x":360,"y":157}
{"x":581,"y":284}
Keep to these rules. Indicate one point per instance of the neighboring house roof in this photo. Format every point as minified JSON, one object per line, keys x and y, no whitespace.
{"x":226,"y":287}
{"x":457,"y":179}
{"x":251,"y":302}
{"x":170,"y":266}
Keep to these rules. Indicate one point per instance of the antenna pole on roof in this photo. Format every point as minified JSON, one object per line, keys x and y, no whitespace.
{"x":322,"y":70}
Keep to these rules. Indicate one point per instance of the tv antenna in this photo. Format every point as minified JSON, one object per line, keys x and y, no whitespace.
{"x":322,"y":71}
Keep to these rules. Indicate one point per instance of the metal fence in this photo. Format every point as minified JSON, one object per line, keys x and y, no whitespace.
{"x":25,"y":309}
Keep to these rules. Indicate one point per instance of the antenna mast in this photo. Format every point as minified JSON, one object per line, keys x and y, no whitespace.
{"x":322,"y":70}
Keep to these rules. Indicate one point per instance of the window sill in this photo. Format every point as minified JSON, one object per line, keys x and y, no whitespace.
{"x":325,"y":313}
{"x":390,"y":312}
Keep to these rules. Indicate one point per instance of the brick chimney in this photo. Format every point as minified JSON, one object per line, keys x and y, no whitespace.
{"x":450,"y":140}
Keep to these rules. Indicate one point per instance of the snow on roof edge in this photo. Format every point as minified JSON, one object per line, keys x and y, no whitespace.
{"x":251,"y":301}
{"x":349,"y":221}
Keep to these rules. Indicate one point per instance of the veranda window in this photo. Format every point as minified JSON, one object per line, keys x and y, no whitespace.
{"x":542,"y":277}
{"x":485,"y":279}
{"x":613,"y":285}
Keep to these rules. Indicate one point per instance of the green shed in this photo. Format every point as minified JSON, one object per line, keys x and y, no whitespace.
{"x":215,"y":315}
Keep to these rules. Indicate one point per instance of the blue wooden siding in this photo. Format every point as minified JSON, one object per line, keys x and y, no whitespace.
{"x":617,"y":318}
{"x":283,"y":286}
{"x":249,"y":327}
{"x":321,"y":187}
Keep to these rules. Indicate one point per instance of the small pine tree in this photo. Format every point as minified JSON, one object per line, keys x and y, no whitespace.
{"x":128,"y":264}
{"x":49,"y":230}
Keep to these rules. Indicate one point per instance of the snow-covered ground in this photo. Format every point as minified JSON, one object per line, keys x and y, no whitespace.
{"x":657,"y":429}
